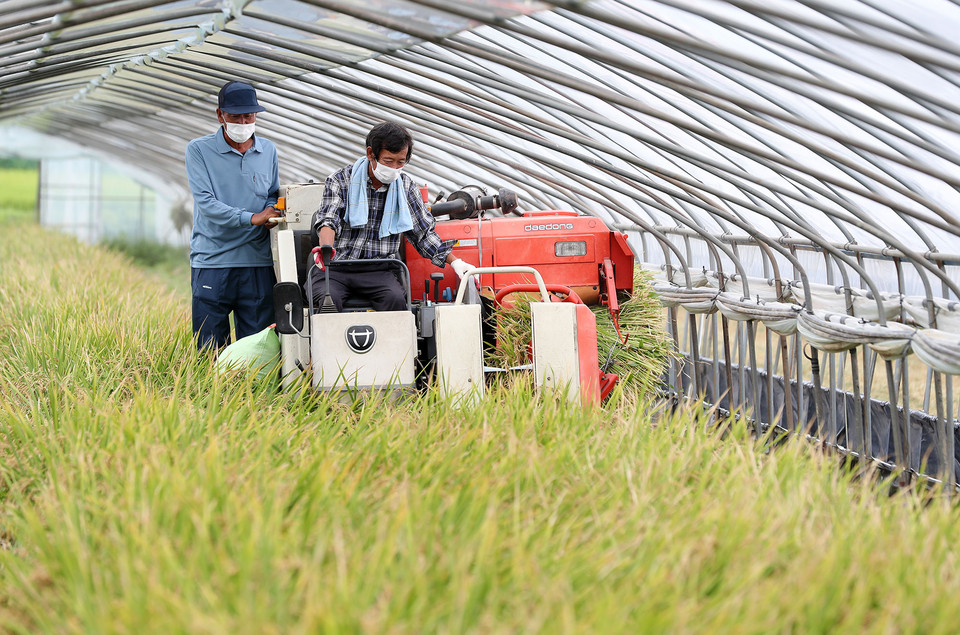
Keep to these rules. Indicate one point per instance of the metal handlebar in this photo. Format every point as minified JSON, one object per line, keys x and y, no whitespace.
{"x":461,"y":290}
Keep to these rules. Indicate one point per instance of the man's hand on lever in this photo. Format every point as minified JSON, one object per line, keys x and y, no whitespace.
{"x":269,"y":215}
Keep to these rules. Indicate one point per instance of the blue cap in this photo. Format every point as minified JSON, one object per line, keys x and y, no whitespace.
{"x":238,"y":98}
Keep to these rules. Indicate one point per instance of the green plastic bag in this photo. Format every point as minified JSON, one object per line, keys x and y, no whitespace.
{"x":260,"y":353}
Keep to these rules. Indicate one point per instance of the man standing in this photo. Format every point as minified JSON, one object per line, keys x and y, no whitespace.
{"x":234,"y":178}
{"x":366,"y":208}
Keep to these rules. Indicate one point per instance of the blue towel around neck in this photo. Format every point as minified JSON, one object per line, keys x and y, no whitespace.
{"x":396,"y":213}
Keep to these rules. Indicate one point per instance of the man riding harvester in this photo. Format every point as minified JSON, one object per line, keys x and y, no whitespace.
{"x":365,"y":300}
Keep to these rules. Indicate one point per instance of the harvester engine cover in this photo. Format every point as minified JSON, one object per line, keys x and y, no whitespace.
{"x":565,"y":247}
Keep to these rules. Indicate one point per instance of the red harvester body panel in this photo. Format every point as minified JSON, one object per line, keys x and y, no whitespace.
{"x":588,"y":357}
{"x":566,"y":248}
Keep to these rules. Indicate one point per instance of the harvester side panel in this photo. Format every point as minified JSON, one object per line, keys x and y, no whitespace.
{"x":622,"y":257}
{"x":588,"y":356}
{"x":459,"y":351}
{"x":387,"y":363}
{"x":294,"y":349}
{"x":553,"y":327}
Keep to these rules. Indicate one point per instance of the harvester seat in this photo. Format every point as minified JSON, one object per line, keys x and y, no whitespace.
{"x":397,"y":267}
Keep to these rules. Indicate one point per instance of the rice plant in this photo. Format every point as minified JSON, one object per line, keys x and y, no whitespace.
{"x":142,"y":491}
{"x":166,"y":262}
{"x":18,"y":190}
{"x":637,"y":348}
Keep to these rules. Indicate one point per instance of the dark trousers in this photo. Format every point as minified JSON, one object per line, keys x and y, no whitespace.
{"x":246,"y":291}
{"x":380,"y":290}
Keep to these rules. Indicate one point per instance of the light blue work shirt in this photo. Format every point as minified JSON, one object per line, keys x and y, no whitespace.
{"x":228,"y":189}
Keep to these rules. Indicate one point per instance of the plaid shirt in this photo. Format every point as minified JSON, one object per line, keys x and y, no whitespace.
{"x":364,"y":243}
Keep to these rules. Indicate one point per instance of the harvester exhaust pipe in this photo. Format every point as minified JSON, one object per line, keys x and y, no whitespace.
{"x":471,"y":200}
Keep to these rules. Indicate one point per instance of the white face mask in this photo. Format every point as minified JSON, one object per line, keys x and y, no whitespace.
{"x":239,"y":132}
{"x":385,"y":174}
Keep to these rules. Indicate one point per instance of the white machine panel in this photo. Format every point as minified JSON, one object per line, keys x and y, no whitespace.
{"x":293,"y":348}
{"x":364,"y":350}
{"x":459,"y":351}
{"x":284,"y":255}
{"x":303,"y":199}
{"x":556,"y":361}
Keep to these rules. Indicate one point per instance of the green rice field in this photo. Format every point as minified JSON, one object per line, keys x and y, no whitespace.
{"x":18,"y":190}
{"x":141,"y":492}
